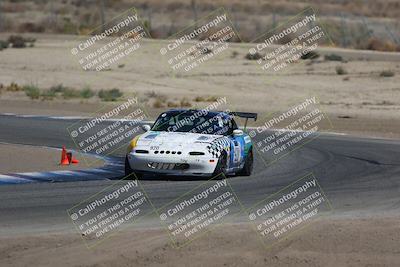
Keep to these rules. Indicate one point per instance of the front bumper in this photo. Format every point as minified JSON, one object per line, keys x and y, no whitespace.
{"x":179,"y":165}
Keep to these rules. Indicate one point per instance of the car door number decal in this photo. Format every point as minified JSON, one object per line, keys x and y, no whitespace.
{"x":237,"y":153}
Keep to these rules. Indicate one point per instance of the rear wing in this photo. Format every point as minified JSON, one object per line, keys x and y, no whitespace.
{"x":246,"y":115}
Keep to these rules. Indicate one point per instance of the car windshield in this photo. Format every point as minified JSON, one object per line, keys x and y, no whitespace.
{"x":195,"y":122}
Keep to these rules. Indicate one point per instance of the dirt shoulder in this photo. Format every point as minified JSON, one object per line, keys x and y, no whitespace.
{"x":329,"y":242}
{"x":25,"y":158}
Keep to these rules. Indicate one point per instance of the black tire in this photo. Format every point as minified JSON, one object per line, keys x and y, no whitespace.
{"x":220,"y":169}
{"x":129,"y":171}
{"x":248,"y":165}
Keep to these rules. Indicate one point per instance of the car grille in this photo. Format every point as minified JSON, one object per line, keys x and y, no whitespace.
{"x":168,"y":166}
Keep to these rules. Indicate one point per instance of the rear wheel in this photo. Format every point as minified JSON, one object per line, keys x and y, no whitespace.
{"x":248,"y":165}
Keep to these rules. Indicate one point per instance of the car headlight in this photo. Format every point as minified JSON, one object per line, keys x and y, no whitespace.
{"x":132,"y":144}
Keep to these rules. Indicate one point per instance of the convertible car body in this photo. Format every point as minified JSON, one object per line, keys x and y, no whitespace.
{"x":192,"y":143}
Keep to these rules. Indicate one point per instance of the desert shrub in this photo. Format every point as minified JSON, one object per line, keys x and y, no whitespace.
{"x":382,"y":45}
{"x":69,"y":93}
{"x":255,"y":56}
{"x":152,"y":94}
{"x":30,"y":40}
{"x":172,"y":104}
{"x":205,"y":50}
{"x":158,"y":104}
{"x":68,"y":27}
{"x":147,"y":25}
{"x":340,"y":70}
{"x":32,"y":91}
{"x":199,"y":99}
{"x":110,"y":95}
{"x":212,"y":99}
{"x":205,"y":99}
{"x":59,"y":88}
{"x":333,"y":57}
{"x":17,"y":41}
{"x":310,"y":55}
{"x":386,"y":103}
{"x":30,"y":27}
{"x":234,"y":54}
{"x":13,"y":87}
{"x":86,"y":92}
{"x":386,"y":73}
{"x":47,"y":94}
{"x":4,"y":44}
{"x":185,"y":102}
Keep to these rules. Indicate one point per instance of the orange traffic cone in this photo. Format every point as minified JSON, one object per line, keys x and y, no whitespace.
{"x":64,"y":158}
{"x":74,"y":160}
{"x":69,"y":157}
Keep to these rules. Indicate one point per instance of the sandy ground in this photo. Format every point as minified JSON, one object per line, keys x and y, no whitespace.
{"x":328,"y":242}
{"x":25,"y":158}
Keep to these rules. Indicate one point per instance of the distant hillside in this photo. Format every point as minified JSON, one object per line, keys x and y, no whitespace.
{"x":360,"y":24}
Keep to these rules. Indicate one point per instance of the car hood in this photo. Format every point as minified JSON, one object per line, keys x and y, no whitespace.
{"x":174,"y":139}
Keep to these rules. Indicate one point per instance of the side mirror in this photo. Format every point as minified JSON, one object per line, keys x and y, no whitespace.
{"x":237,"y":132}
{"x":146,"y":127}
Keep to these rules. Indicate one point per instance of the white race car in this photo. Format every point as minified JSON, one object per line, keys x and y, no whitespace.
{"x":192,"y":143}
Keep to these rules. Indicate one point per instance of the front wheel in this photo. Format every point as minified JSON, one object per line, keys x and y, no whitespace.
{"x":248,"y":165}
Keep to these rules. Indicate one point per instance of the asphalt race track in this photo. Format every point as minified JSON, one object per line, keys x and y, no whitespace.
{"x":359,"y":176}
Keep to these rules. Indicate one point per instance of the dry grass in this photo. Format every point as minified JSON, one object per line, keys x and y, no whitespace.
{"x":340,"y":70}
{"x":158,"y":104}
{"x":382,"y":45}
{"x":13,"y":87}
{"x":205,"y":99}
{"x":387,"y":73}
{"x":172,"y":104}
{"x":185,"y":103}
